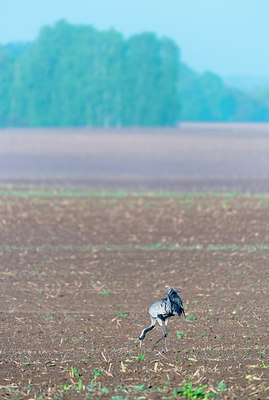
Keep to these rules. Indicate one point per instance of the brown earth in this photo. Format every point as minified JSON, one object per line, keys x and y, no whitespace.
{"x":79,"y":271}
{"x":193,"y":157}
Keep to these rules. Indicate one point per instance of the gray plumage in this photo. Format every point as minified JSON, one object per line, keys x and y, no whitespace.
{"x":161,"y":311}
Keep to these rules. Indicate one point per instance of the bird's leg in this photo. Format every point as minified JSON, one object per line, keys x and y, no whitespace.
{"x":166,"y":322}
{"x":158,"y":341}
{"x":164,"y":335}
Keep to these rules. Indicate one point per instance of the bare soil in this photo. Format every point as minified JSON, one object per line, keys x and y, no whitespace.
{"x":192,"y":157}
{"x":80,"y":269}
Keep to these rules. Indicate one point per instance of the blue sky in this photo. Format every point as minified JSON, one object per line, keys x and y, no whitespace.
{"x":229,"y":37}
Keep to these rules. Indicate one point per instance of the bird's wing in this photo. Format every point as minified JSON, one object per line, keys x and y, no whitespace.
{"x":157,"y":308}
{"x":178,"y":305}
{"x":179,"y":309}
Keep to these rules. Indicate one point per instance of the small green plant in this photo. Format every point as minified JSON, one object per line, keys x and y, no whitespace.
{"x":222,"y":387}
{"x":66,"y":387}
{"x":139,"y":387}
{"x":262,"y":352}
{"x":140,"y":357}
{"x":264,"y":365}
{"x":164,"y":388}
{"x":74,"y":372}
{"x":122,"y":315}
{"x":79,"y":384}
{"x":96,"y":372}
{"x":187,"y":202}
{"x":190,"y":318}
{"x":202,"y":335}
{"x":128,"y":357}
{"x":105,"y":293}
{"x":180,"y":335}
{"x":135,"y":340}
{"x":189,"y":392}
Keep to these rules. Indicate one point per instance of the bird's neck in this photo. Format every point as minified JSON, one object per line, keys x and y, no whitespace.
{"x":143,"y":333}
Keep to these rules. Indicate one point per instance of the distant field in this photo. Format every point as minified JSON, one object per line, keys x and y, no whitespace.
{"x":194,"y":157}
{"x":79,"y":270}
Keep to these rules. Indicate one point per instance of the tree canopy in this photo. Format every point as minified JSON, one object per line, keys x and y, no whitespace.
{"x":74,"y":75}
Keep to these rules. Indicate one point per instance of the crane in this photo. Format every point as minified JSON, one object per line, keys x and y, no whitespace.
{"x":161,"y":311}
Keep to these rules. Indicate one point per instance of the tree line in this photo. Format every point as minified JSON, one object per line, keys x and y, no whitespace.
{"x":75,"y":75}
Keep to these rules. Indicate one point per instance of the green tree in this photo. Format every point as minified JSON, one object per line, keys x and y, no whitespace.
{"x":74,"y":75}
{"x":6,"y":77}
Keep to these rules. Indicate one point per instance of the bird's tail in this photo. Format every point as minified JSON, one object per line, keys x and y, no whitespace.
{"x":179,"y":308}
{"x":176,"y":302}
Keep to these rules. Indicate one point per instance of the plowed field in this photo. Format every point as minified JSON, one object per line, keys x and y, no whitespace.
{"x":79,"y":270}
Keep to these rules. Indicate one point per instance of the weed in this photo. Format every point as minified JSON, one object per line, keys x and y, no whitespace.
{"x":264,"y":365}
{"x":140,"y":357}
{"x":105,"y":293}
{"x":128,"y":357}
{"x":189,"y":392}
{"x":65,"y":387}
{"x":26,"y":364}
{"x":187,"y":202}
{"x":139,"y":387}
{"x":79,"y":384}
{"x":180,"y":335}
{"x":164,"y":388}
{"x":135,"y":340}
{"x":96,"y":372}
{"x":192,"y":360}
{"x":122,"y":315}
{"x":190,"y":317}
{"x":74,"y":372}
{"x":222,"y":387}
{"x":104,"y":390}
{"x":262,"y":352}
{"x":68,"y":318}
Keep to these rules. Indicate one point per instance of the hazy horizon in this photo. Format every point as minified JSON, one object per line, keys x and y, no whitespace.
{"x":227,"y":38}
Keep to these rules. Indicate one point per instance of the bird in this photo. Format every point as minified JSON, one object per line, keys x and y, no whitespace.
{"x":161,"y":311}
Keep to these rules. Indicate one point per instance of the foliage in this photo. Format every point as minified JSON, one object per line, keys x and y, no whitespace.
{"x":204,"y":97}
{"x":189,"y":392}
{"x":75,"y":75}
{"x":6,"y":77}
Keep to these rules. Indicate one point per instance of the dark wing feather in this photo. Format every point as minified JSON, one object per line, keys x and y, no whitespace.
{"x":176,"y":301}
{"x":179,"y":308}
